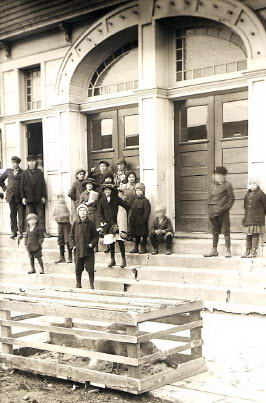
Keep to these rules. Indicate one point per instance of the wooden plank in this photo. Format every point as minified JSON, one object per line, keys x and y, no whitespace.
{"x":90,"y":334}
{"x":133,"y":350}
{"x":71,"y":351}
{"x":181,"y":328}
{"x":195,"y":334}
{"x":174,"y":319}
{"x":24,"y":334}
{"x":77,"y":374}
{"x":25,"y":316}
{"x":6,"y":332}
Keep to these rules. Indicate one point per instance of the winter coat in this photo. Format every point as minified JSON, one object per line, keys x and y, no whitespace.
{"x":130,"y":193}
{"x":255,"y":207}
{"x":75,"y":191}
{"x":165,"y":225}
{"x":82,"y":234}
{"x":33,"y":186}
{"x":13,"y":184}
{"x":107,"y":211}
{"x":221,"y":198}
{"x":140,"y":213}
{"x":34,"y":239}
{"x":61,"y":213}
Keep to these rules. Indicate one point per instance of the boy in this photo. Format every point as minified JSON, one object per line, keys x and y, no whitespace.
{"x":33,"y":190}
{"x":121,"y":173}
{"x":221,"y":199}
{"x":99,"y":177}
{"x":76,"y":190}
{"x":82,"y":239}
{"x":33,"y":241}
{"x":61,"y":215}
{"x":161,"y":231}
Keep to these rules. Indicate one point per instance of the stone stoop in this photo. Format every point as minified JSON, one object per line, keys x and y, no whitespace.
{"x":232,"y":285}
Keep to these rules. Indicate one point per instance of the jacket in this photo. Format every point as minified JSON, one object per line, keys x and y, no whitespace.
{"x":165,"y":225}
{"x":221,"y":198}
{"x":140,"y":213}
{"x":32,"y":185}
{"x":89,"y":196}
{"x":75,"y":192}
{"x":107,"y":211}
{"x":13,"y":184}
{"x":255,"y":207}
{"x":61,"y":213}
{"x":82,"y":234}
{"x":34,"y":239}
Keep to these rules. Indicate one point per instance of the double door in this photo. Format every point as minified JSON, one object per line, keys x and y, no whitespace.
{"x":114,"y":134}
{"x":209,"y":131}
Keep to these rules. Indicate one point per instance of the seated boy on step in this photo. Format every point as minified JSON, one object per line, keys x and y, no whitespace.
{"x":161,"y":231}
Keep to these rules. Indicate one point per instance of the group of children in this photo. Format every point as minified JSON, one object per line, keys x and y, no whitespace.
{"x":114,"y":206}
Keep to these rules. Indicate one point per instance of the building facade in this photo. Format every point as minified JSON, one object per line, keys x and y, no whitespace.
{"x":176,"y":87}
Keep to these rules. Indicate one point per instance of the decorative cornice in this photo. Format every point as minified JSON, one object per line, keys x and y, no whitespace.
{"x":67,"y":29}
{"x":7,"y":48}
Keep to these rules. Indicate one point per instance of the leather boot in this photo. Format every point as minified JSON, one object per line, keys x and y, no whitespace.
{"x":78,"y":280}
{"x":212,"y":253}
{"x":123,"y":263}
{"x":62,"y":255}
{"x":155,"y":251}
{"x":248,"y":246}
{"x":228,"y":246}
{"x":255,"y":244}
{"x":112,"y":252}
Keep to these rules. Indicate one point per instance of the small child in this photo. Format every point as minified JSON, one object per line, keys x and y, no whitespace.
{"x":108,"y":214}
{"x":61,"y":215}
{"x":221,"y":199}
{"x":89,"y":197}
{"x":82,"y":239}
{"x":76,"y":190}
{"x":121,"y":173}
{"x":139,"y":218}
{"x":33,"y":241}
{"x":161,"y":231}
{"x":254,"y":219}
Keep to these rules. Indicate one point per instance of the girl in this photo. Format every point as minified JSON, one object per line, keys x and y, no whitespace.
{"x":254,"y":218}
{"x":129,"y":187}
{"x":139,"y":218}
{"x":108,"y":211}
{"x":89,"y":197}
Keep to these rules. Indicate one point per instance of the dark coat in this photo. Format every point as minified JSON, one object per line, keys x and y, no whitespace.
{"x":13,"y":184}
{"x":255,"y":207}
{"x":165,"y":225}
{"x":83,"y":233}
{"x":107,"y":211}
{"x":34,"y":239}
{"x":139,"y":217}
{"x":221,"y":199}
{"x":32,"y":186}
{"x":75,"y":191}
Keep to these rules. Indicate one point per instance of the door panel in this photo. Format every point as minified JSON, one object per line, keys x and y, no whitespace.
{"x":128,"y":123}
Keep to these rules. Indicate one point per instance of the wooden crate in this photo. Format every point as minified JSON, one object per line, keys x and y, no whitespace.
{"x":80,"y":315}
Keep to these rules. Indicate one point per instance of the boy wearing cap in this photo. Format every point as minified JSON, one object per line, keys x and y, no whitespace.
{"x":161,"y":231}
{"x":76,"y":190}
{"x":33,"y":190}
{"x":82,"y":239}
{"x":221,"y":200}
{"x":13,"y":196}
{"x":121,"y":173}
{"x":61,"y":215}
{"x":33,"y":241}
{"x":103,"y":168}
{"x":139,"y":219}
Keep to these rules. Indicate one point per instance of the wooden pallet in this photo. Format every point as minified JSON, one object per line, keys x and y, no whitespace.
{"x":80,"y":315}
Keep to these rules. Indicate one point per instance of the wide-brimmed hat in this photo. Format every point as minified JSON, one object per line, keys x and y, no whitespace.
{"x":32,"y":158}
{"x":31,"y":216}
{"x":16,"y":159}
{"x":104,"y":162}
{"x":221,"y":170}
{"x":140,"y":186}
{"x":89,"y":180}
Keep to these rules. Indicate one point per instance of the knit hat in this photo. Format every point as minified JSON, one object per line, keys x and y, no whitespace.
{"x":82,"y":206}
{"x":221,"y":170}
{"x":32,"y":216}
{"x":16,"y":159}
{"x":104,"y":162}
{"x":140,"y":186}
{"x":80,"y":170}
{"x":31,"y":158}
{"x":122,"y":161}
{"x":160,"y":208}
{"x":89,"y":180}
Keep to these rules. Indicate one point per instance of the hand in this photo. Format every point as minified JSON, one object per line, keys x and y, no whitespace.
{"x":43,"y":200}
{"x":24,"y":201}
{"x":90,"y":245}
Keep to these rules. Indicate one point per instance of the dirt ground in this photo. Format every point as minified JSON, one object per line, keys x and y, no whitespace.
{"x":18,"y":387}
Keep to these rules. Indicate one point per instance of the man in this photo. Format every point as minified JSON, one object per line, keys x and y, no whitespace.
{"x":13,"y":196}
{"x":33,"y":190}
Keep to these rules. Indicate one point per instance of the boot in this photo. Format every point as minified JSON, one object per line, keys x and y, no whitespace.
{"x":228,"y":246}
{"x":78,"y":280}
{"x":112,"y":251}
{"x":62,"y":255}
{"x":123,"y":263}
{"x":168,"y":252}
{"x":136,"y":247}
{"x":13,"y":235}
{"x":69,"y":259}
{"x":32,"y":270}
{"x":155,"y":251}
{"x":123,"y":254}
{"x":214,"y":251}
{"x":168,"y":245}
{"x":255,"y":244}
{"x":40,"y":261}
{"x":143,"y":248}
{"x":248,"y":246}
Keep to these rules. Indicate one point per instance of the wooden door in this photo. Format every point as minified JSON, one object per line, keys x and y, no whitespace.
{"x":194,"y":153}
{"x":231,"y":147}
{"x":128,"y":139}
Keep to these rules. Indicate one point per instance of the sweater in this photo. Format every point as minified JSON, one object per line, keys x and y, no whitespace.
{"x":61,"y":213}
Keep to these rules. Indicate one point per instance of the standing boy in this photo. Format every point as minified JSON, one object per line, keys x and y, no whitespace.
{"x":161,"y":231}
{"x":13,"y":196}
{"x":82,"y":239}
{"x":33,"y":241}
{"x":76,"y":190}
{"x":221,"y":200}
{"x":33,"y":190}
{"x":61,"y":215}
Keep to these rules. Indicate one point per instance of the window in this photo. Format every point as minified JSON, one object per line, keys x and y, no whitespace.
{"x":102,"y":132}
{"x":131,"y":126}
{"x":235,"y":118}
{"x":194,"y":123}
{"x":207,"y":51}
{"x":33,"y":88}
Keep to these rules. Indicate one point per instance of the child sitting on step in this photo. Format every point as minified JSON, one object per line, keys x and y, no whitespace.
{"x":161,"y":231}
{"x":33,"y":241}
{"x":61,"y":215}
{"x":254,"y":219}
{"x":82,"y":240}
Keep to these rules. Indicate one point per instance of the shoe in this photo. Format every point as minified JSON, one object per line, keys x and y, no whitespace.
{"x":246,"y":254}
{"x":168,"y":252}
{"x":155,"y":252}
{"x":32,"y":271}
{"x":106,"y":250}
{"x":135,"y":250}
{"x":253,"y":253}
{"x":13,"y":236}
{"x":212,"y":253}
{"x":123,"y":263}
{"x":78,"y":285}
{"x":112,"y":263}
{"x":61,"y":260}
{"x":69,"y":260}
{"x":41,"y":271}
{"x":228,"y":253}
{"x":20,"y":236}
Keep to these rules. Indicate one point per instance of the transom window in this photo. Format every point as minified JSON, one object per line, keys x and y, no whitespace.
{"x":207,"y":51}
{"x":33,"y":88}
